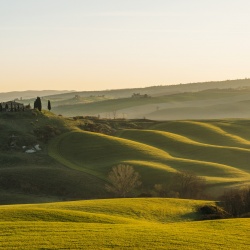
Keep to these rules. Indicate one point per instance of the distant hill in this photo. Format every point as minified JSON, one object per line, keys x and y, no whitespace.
{"x":207,"y":100}
{"x":206,"y":104}
{"x":160,"y":90}
{"x":8,"y":96}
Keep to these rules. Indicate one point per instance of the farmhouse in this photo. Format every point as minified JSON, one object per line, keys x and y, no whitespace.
{"x":138,"y":95}
{"x":11,"y":106}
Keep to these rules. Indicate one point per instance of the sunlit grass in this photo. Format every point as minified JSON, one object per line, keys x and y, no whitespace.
{"x":118,"y":224}
{"x":155,"y":154}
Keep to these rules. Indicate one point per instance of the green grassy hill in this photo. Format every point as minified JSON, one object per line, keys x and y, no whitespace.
{"x":28,"y":178}
{"x":219,"y":156}
{"x":74,"y":163}
{"x":118,"y":224}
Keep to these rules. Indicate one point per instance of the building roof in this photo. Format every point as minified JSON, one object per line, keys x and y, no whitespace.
{"x":13,"y":102}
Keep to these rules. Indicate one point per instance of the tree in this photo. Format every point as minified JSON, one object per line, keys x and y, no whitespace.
{"x":123,"y":179}
{"x":49,"y":105}
{"x":38,"y":104}
{"x":188,"y":185}
{"x":1,"y":107}
{"x":236,"y":201}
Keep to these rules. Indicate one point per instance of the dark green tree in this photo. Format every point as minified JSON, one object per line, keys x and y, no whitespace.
{"x":1,"y":108}
{"x":38,"y":104}
{"x":49,"y":105}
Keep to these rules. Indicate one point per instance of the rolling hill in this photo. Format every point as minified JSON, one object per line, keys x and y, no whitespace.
{"x":74,"y":163}
{"x":207,"y":100}
{"x":221,"y":157}
{"x":158,"y":90}
{"x":117,"y":224}
{"x":8,"y":96}
{"x":207,"y":104}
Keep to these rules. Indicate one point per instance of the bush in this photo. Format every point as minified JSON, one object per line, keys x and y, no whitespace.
{"x":212,"y":212}
{"x":46,"y":132}
{"x":236,"y":201}
{"x":183,"y":184}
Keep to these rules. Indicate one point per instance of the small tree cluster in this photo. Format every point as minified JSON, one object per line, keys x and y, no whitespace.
{"x":237,"y":202}
{"x":122,"y":180}
{"x":183,"y":184}
{"x":38,"y":104}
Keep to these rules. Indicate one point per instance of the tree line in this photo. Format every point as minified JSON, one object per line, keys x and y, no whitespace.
{"x":123,"y":181}
{"x":38,"y":104}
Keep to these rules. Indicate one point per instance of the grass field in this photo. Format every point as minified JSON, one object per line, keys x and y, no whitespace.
{"x":118,"y":224}
{"x":29,"y":178}
{"x":217,"y":150}
{"x":74,"y":164}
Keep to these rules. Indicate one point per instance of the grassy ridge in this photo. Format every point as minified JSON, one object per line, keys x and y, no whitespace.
{"x":113,"y":211}
{"x":81,"y":160}
{"x":156,"y":154}
{"x":227,"y":132}
{"x":96,"y":153}
{"x":118,"y":224}
{"x":183,"y":147}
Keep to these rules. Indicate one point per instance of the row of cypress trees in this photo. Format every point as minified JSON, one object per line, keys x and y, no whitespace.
{"x":38,"y":104}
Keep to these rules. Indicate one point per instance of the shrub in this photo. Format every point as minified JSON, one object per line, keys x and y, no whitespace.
{"x":212,"y":212}
{"x":236,"y":201}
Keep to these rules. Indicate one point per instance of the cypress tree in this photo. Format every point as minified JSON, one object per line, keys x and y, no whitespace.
{"x":1,"y":108}
{"x":38,"y":104}
{"x":49,"y":105}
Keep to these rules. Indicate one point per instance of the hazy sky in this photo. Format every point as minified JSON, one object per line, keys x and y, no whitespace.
{"x":106,"y":44}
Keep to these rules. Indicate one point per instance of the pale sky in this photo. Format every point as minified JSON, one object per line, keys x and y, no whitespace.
{"x":107,"y":44}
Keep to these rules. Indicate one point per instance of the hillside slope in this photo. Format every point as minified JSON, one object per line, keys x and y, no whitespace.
{"x":118,"y":224}
{"x":208,"y":104}
{"x":74,"y":163}
{"x":157,"y":154}
{"x":36,"y":177}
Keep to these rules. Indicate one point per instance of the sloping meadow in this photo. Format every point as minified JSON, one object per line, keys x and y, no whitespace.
{"x":118,"y":223}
